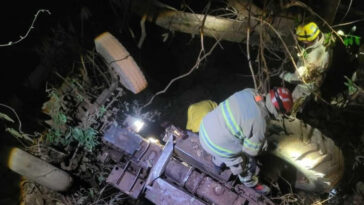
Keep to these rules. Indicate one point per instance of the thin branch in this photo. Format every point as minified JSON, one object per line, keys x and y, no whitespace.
{"x":347,"y":11}
{"x":266,"y":70}
{"x":348,"y":23}
{"x":202,"y":28}
{"x":19,"y":121}
{"x":21,"y":38}
{"x":199,"y":59}
{"x":248,"y":49}
{"x":142,"y":27}
{"x":249,"y":60}
{"x":98,"y":69}
{"x":202,"y":55}
{"x":303,"y":5}
{"x":280,"y":38}
{"x":16,"y":115}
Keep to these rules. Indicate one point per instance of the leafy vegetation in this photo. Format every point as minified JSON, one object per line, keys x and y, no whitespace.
{"x":352,"y":87}
{"x":62,"y":131}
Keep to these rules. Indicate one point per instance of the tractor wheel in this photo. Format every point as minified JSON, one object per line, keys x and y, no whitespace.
{"x":319,"y":162}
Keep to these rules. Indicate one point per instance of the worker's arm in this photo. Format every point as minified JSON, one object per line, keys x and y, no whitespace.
{"x":290,"y":77}
{"x":295,"y":76}
{"x":253,"y":143}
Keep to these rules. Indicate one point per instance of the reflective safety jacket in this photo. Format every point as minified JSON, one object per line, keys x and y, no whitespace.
{"x":312,"y":65}
{"x":237,"y":125}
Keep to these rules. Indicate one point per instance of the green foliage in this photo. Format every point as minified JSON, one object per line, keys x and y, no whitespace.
{"x":87,"y":137}
{"x":6,"y":117}
{"x":17,"y":134}
{"x":60,"y":119}
{"x":305,"y":54}
{"x":61,"y":131}
{"x":101,"y":111}
{"x":352,"y":87}
{"x":329,"y":39}
{"x":350,"y":40}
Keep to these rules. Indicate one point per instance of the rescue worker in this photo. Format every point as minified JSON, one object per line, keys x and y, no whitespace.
{"x":233,"y":132}
{"x":314,"y":59}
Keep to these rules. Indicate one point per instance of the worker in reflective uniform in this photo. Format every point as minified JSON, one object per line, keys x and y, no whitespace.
{"x":233,"y":132}
{"x":314,"y":59}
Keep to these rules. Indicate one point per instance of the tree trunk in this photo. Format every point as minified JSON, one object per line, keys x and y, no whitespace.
{"x":233,"y":30}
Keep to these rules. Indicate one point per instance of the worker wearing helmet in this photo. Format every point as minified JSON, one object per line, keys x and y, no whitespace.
{"x":233,"y":132}
{"x":314,"y":59}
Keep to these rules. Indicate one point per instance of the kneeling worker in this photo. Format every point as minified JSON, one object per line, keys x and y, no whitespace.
{"x":233,"y":132}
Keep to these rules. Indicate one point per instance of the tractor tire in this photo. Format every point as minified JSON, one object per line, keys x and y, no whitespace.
{"x":318,"y":161}
{"x":121,"y":62}
{"x":38,"y":170}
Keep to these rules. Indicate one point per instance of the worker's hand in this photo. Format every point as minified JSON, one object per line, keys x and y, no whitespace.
{"x":281,"y":75}
{"x":252,"y":166}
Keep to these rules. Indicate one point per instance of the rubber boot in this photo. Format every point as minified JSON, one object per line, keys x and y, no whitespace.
{"x":262,"y":189}
{"x":253,"y":182}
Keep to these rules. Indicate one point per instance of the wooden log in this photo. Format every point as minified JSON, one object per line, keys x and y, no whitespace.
{"x":233,"y":30}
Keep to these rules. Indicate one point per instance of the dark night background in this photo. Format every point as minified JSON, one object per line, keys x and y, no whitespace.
{"x":69,"y":31}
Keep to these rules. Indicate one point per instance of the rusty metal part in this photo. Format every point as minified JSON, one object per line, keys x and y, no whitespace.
{"x":127,"y":181}
{"x":190,"y":151}
{"x":208,"y":188}
{"x":164,"y":193}
{"x":109,"y":154}
{"x":101,"y":99}
{"x":175,"y":131}
{"x":178,"y":172}
{"x":159,"y":167}
{"x":195,"y":180}
{"x":122,"y":139}
{"x":147,"y":154}
{"x":251,"y":195}
{"x":190,"y":185}
{"x":213,"y":191}
{"x":86,"y":108}
{"x":216,"y":193}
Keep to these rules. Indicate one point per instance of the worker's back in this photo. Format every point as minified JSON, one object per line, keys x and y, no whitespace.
{"x":223,"y":130}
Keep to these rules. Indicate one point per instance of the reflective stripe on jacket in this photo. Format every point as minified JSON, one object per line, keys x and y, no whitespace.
{"x":236,"y":125}
{"x":311,"y":66}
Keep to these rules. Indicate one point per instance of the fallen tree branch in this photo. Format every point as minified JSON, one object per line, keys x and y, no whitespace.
{"x":348,"y":23}
{"x":266,"y":80}
{"x":281,"y":39}
{"x":198,"y":61}
{"x":19,"y":133}
{"x":303,"y":5}
{"x":216,"y":27}
{"x":144,"y":34}
{"x":248,"y":52}
{"x":347,"y":11}
{"x":21,"y":38}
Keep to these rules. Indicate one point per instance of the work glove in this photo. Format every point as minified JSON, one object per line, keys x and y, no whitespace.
{"x":252,"y":166}
{"x":281,"y":75}
{"x":290,"y":77}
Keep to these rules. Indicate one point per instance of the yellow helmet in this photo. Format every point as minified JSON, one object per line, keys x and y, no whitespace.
{"x":308,"y":32}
